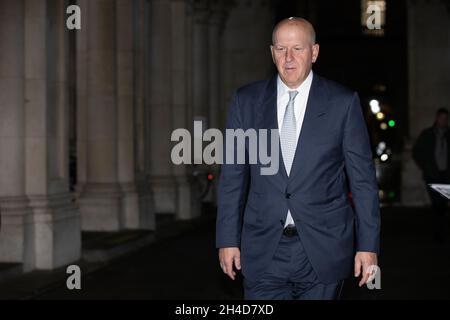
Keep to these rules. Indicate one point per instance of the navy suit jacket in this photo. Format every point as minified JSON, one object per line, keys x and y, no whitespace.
{"x":333,"y":154}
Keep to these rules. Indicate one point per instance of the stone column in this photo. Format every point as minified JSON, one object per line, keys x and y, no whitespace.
{"x":200,"y":85}
{"x":181,"y":35}
{"x":81,"y":99}
{"x":200,"y":60}
{"x":215,"y":43}
{"x":429,"y":80}
{"x":56,"y":218}
{"x":133,"y":217}
{"x":142,"y":145}
{"x":160,"y":105}
{"x":101,"y":197}
{"x":17,"y":230}
{"x":190,"y":12}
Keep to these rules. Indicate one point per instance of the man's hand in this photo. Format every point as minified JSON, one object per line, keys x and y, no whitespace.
{"x":228,"y":256}
{"x":365,"y":260}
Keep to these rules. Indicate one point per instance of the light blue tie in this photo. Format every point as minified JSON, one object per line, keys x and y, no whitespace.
{"x":288,"y":133}
{"x":288,"y":140}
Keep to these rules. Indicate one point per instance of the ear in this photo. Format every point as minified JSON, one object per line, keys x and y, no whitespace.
{"x":271,"y":52}
{"x":315,"y":52}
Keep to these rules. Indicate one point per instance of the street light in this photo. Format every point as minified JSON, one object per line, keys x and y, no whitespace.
{"x":374,"y":106}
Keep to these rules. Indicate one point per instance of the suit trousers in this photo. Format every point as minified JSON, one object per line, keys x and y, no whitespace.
{"x":290,"y":276}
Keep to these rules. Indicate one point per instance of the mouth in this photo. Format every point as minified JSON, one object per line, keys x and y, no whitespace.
{"x":289,"y":69}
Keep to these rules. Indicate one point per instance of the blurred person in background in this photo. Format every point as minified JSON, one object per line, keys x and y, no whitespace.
{"x":430,"y":152}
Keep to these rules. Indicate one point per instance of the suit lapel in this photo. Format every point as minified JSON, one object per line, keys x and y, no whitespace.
{"x":268,"y":119}
{"x":315,"y":110}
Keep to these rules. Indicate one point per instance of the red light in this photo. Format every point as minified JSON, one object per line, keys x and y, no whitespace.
{"x":210,"y":177}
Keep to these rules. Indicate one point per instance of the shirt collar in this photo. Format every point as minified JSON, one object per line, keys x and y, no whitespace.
{"x":282,"y":88}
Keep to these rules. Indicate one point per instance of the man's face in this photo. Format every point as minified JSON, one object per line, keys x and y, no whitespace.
{"x":293,"y":53}
{"x":442,"y":120}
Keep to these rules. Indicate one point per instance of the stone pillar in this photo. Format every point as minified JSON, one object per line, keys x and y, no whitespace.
{"x":200,"y":60}
{"x":215,"y":43}
{"x":160,"y":105}
{"x":56,"y":218}
{"x":200,"y":85}
{"x":141,"y":111}
{"x":181,"y":33}
{"x":133,"y":217}
{"x":81,"y":100}
{"x":101,"y":196}
{"x":17,"y":230}
{"x":429,"y":80}
{"x":190,"y":12}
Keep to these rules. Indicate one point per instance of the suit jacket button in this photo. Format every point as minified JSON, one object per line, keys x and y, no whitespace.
{"x":288,"y":195}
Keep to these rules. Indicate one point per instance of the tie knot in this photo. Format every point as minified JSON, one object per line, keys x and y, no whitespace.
{"x":292,"y":95}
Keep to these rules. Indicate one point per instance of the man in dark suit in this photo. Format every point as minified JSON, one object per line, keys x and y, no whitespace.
{"x":293,"y":232}
{"x":430,"y":153}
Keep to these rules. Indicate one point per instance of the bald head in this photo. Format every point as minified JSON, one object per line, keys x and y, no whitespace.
{"x":300,"y":23}
{"x":294,"y":50}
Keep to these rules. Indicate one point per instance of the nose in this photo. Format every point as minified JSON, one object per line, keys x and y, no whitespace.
{"x":288,"y":55}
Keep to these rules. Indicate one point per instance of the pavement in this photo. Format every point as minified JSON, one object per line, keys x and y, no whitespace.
{"x":180,"y":262}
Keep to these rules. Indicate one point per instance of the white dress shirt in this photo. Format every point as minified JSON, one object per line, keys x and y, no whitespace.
{"x":299,"y":110}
